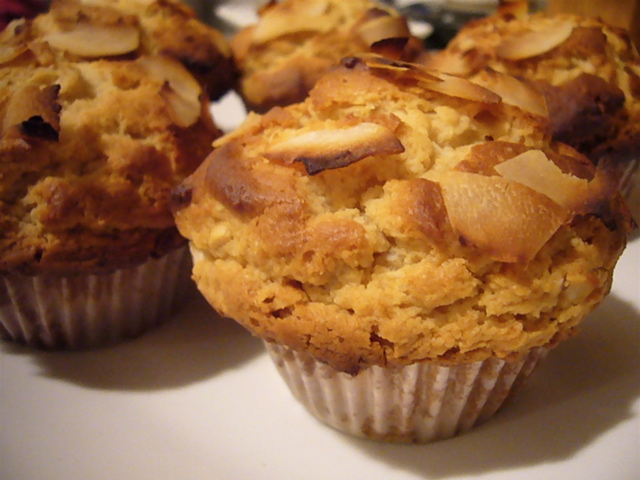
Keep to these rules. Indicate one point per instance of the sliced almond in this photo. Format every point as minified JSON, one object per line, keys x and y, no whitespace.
{"x":11,"y":52}
{"x":321,"y":150}
{"x":514,"y":92}
{"x":462,"y":88}
{"x":536,"y":171}
{"x":294,"y":17}
{"x":180,"y":89}
{"x":399,"y":69}
{"x":89,"y":40}
{"x":505,"y":220}
{"x":454,"y":63}
{"x":534,"y":43}
{"x":383,"y":27}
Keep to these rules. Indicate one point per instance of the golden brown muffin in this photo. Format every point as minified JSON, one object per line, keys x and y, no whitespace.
{"x":98,"y":124}
{"x":92,"y":143}
{"x":131,"y":28}
{"x":399,"y":216}
{"x":296,"y":41}
{"x":588,"y":71}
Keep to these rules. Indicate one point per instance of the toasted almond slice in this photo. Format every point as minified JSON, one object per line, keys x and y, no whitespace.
{"x":180,"y":89}
{"x":514,"y":92}
{"x":383,"y":27}
{"x":535,"y":43}
{"x":10,"y":52}
{"x":506,"y":220}
{"x":462,"y":64}
{"x":536,"y":171}
{"x":285,"y":19}
{"x":89,"y":40}
{"x":321,"y":150}
{"x":184,"y":112}
{"x":462,"y":88}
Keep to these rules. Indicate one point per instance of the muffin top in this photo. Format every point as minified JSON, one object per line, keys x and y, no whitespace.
{"x":296,"y":41}
{"x":588,"y":71}
{"x":97,"y":127}
{"x":399,"y":215}
{"x":86,"y":29}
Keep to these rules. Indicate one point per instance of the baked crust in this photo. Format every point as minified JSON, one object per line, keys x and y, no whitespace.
{"x":588,"y":71}
{"x":437,"y":251}
{"x":295,"y":42}
{"x":92,"y":141}
{"x":164,"y":27}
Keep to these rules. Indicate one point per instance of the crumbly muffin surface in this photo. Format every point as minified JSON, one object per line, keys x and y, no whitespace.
{"x":93,"y":139}
{"x":295,"y":42}
{"x":588,"y":70}
{"x":385,"y":221}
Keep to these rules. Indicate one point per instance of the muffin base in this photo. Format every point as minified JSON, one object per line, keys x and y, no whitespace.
{"x":418,"y":403}
{"x":85,"y":311}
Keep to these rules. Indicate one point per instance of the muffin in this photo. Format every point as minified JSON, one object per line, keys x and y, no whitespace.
{"x":295,"y":42}
{"x":588,"y":71}
{"x":407,"y":243}
{"x":98,"y":126}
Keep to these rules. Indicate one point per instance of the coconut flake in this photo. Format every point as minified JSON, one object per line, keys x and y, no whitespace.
{"x":506,"y":220}
{"x":536,"y":171}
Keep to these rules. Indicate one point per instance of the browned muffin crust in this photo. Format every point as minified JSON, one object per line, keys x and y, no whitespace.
{"x":588,"y":71}
{"x":295,"y":42}
{"x":92,"y":141}
{"x":159,"y":27}
{"x":399,"y":215}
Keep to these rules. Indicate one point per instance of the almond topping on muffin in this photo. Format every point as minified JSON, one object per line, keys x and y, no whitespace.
{"x":321,"y":150}
{"x":87,"y":40}
{"x":534,"y":43}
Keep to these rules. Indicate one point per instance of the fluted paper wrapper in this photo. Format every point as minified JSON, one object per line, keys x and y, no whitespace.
{"x":84,"y":311}
{"x":630,"y":188}
{"x":418,"y":403}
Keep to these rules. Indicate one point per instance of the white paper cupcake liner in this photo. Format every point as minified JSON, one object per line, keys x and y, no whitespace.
{"x":83,"y":311}
{"x":418,"y":403}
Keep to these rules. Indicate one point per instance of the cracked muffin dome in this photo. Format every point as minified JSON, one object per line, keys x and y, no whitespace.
{"x":399,"y":216}
{"x":295,"y":42}
{"x":588,"y":71}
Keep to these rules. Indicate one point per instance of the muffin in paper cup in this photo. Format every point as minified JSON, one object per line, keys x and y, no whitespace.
{"x":58,"y":311}
{"x":407,"y":243}
{"x":417,"y":403}
{"x":94,"y":138}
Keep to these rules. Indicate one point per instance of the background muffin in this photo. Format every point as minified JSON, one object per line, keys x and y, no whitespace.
{"x":296,"y":41}
{"x":97,"y":127}
{"x":588,"y":71}
{"x":387,"y":231}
